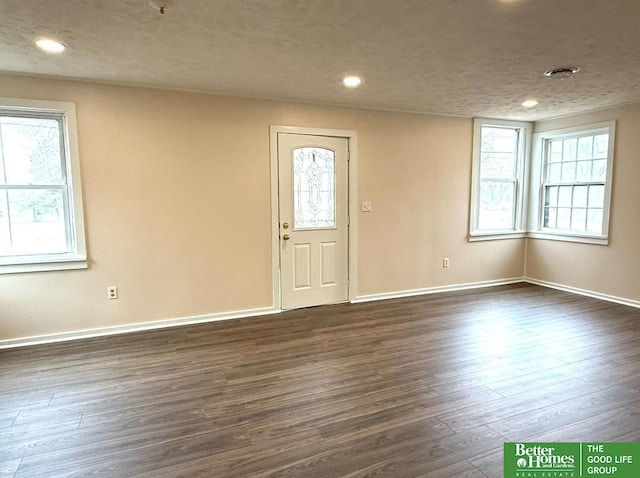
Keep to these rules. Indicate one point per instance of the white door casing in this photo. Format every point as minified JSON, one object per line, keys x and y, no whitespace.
{"x":313,"y":183}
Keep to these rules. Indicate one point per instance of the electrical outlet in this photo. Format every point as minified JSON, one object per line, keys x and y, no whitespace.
{"x":445,"y":262}
{"x":112,"y":292}
{"x":366,"y":206}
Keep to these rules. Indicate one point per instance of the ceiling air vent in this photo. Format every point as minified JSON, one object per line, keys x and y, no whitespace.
{"x":561,"y":73}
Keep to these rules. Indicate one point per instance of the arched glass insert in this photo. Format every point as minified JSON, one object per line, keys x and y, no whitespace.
{"x":314,"y":179}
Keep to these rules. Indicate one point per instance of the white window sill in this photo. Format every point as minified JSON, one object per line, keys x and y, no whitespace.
{"x":558,"y":236}
{"x":54,"y":262}
{"x":551,"y":236}
{"x":496,"y":235}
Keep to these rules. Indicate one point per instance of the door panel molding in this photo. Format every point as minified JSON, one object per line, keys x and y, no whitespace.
{"x":351,"y":137}
{"x":301,"y":266}
{"x":327,"y":257}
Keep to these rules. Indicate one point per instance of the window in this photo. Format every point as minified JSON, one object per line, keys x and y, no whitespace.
{"x":567,"y":194}
{"x":573,"y":179}
{"x":499,"y":158}
{"x":41,"y":224}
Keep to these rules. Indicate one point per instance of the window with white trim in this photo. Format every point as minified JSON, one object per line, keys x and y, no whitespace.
{"x":498,"y":185}
{"x":573,"y":170}
{"x":41,"y":219}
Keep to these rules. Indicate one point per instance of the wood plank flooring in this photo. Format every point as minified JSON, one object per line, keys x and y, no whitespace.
{"x":428,"y":386}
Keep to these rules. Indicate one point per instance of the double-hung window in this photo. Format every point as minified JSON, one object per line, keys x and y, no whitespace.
{"x":573,"y":170}
{"x":41,"y":223}
{"x":561,"y":191}
{"x":499,"y":159}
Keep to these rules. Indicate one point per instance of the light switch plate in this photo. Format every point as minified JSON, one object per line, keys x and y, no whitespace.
{"x":366,"y":206}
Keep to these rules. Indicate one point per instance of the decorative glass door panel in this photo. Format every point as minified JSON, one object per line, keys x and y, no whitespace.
{"x":314,"y":184}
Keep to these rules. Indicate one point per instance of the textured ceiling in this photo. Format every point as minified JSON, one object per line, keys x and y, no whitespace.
{"x":456,"y":57}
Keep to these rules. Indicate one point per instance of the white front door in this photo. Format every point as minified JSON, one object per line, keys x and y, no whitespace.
{"x":313,"y":219}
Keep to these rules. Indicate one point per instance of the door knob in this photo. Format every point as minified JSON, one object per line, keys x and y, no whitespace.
{"x":285,"y":237}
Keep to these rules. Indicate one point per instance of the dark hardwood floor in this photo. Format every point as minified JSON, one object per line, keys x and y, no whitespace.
{"x":428,"y":386}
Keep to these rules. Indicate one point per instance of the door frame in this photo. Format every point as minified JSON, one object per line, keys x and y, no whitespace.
{"x":352,"y":194}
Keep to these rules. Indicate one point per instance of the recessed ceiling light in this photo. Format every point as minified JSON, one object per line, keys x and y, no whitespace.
{"x":50,"y":46}
{"x":352,"y":81}
{"x":529,"y":103}
{"x":562,"y":73}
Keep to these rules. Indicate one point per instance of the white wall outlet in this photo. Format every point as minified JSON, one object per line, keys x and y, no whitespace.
{"x":366,"y":206}
{"x":445,"y":262}
{"x":112,"y":292}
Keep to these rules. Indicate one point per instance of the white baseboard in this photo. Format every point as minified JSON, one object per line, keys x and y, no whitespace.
{"x":141,"y":326}
{"x":435,"y":290}
{"x":587,"y":293}
{"x":201,"y":319}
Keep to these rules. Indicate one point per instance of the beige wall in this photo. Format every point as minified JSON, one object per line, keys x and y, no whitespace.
{"x":177,"y":207}
{"x":614,"y":269}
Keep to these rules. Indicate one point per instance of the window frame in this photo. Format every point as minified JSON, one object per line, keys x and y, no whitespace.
{"x":76,"y":255}
{"x":521,"y":180}
{"x":538,"y":178}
